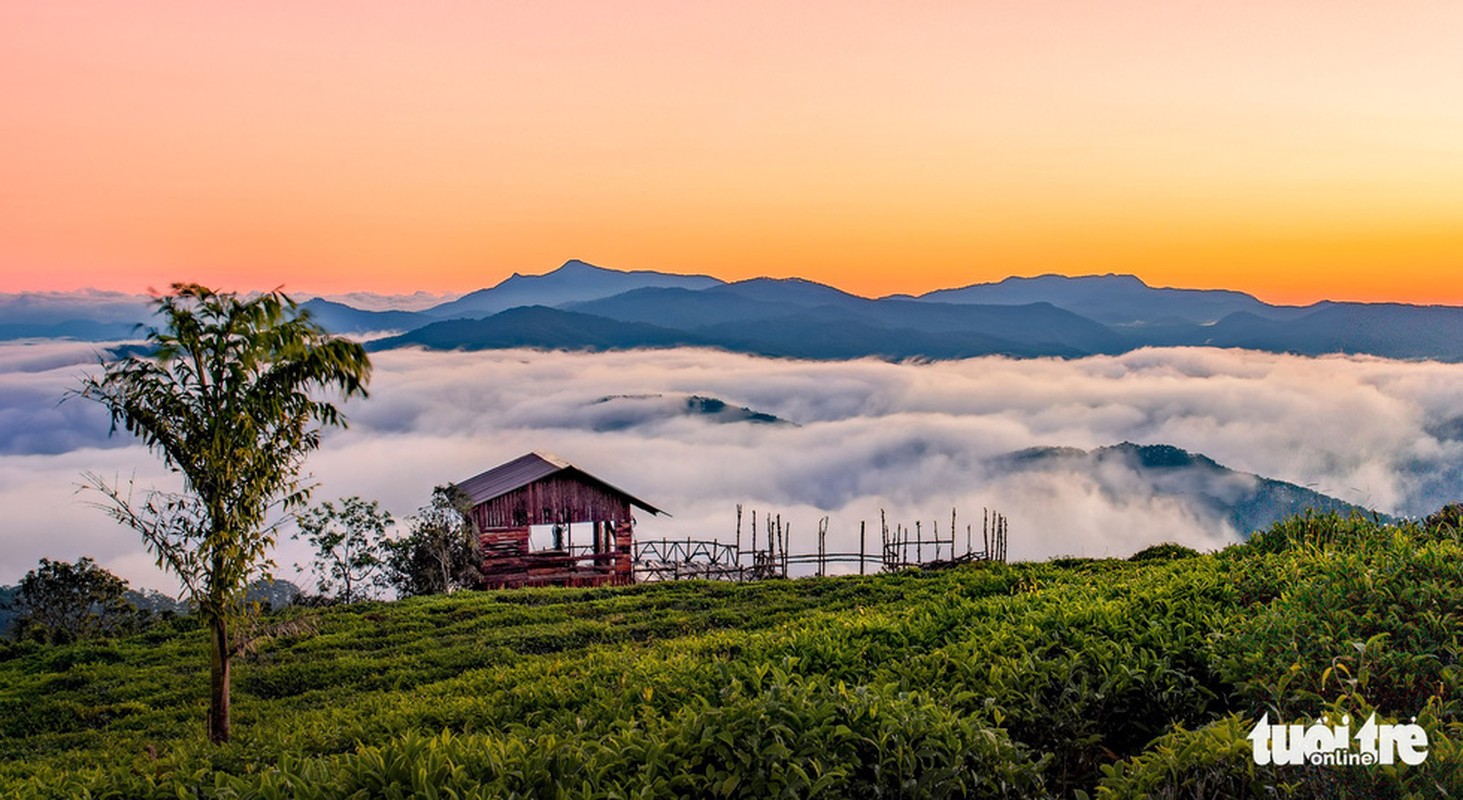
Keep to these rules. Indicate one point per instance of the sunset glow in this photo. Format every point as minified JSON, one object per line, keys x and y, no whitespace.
{"x":1294,"y":150}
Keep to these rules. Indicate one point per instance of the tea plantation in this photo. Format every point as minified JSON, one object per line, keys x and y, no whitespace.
{"x":1073,"y":677}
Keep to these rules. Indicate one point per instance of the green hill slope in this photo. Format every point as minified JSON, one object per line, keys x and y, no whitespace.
{"x":1123,"y":678}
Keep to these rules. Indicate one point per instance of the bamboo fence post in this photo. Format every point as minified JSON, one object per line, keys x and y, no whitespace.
{"x":883,"y":541}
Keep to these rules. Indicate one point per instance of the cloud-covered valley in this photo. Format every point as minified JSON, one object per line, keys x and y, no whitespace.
{"x":914,"y":439}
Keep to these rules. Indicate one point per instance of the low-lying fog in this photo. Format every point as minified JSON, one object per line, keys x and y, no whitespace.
{"x":913,"y":439}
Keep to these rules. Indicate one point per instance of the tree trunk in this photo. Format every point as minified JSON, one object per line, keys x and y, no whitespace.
{"x":444,"y":560}
{"x":218,"y":712}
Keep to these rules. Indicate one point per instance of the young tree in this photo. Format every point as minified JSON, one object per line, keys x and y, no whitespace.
{"x":62,"y":602}
{"x":440,"y":554}
{"x":347,"y":541}
{"x":227,"y":398}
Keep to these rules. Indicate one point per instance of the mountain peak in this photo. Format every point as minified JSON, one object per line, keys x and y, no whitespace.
{"x":575,"y":265}
{"x":574,"y":281}
{"x":1123,"y":279}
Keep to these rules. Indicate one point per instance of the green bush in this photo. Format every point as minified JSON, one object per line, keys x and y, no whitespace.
{"x":1167,"y":551}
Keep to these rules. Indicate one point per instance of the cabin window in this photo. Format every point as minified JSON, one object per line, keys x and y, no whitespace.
{"x":561,"y":536}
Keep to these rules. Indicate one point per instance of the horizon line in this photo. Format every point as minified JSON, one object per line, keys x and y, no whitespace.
{"x":449,"y":295}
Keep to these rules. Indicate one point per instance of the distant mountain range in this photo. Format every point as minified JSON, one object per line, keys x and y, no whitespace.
{"x":583,"y":307}
{"x":1213,"y":492}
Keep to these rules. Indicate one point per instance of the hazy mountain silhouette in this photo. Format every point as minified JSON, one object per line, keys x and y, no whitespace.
{"x":807,"y":319}
{"x":1248,"y":502}
{"x":1113,"y":299}
{"x":341,"y":318}
{"x":573,"y":282}
{"x":823,"y":332}
{"x":80,"y":329}
{"x":798,"y":291}
{"x":901,"y":329}
{"x":684,"y":308}
{"x":1050,"y":315}
{"x":88,"y":315}
{"x":1389,"y":329}
{"x":540,"y":327}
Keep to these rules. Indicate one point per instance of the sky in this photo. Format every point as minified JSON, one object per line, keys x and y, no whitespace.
{"x":1298,"y":150}
{"x":912,"y":440}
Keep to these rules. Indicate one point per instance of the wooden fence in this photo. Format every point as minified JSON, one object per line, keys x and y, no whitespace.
{"x":768,"y":553}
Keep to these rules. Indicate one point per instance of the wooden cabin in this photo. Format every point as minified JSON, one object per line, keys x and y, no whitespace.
{"x":540,"y":489}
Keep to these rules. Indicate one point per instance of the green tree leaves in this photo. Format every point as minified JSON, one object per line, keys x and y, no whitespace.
{"x":228,"y":399}
{"x":61,"y":602}
{"x":347,"y":537}
{"x":440,"y":553}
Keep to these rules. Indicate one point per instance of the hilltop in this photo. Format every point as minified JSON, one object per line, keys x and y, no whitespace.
{"x":1124,"y":677}
{"x":1213,"y":492}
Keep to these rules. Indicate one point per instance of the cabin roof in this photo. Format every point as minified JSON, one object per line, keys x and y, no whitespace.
{"x":532,"y":467}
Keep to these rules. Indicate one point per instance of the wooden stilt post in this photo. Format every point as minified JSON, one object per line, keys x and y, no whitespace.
{"x":954,"y":531}
{"x":823,"y":547}
{"x":883,"y":541}
{"x":861,"y":547}
{"x":755,"y":553}
{"x":771,"y":545}
{"x":985,"y":532}
{"x":785,"y":538}
{"x":739,"y":534}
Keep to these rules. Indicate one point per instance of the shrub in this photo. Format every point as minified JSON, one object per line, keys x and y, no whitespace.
{"x":1167,"y":551}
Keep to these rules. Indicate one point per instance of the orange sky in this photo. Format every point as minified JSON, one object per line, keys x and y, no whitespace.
{"x":1296,"y":150}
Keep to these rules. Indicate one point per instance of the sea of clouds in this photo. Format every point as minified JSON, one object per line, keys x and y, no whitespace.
{"x":912,"y":439}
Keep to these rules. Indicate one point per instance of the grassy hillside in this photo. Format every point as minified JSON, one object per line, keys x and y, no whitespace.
{"x":1113,"y":678}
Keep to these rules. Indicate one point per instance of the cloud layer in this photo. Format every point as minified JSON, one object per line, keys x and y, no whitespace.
{"x":915,"y":440}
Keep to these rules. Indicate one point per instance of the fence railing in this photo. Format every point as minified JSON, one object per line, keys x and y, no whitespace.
{"x":769,"y":552}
